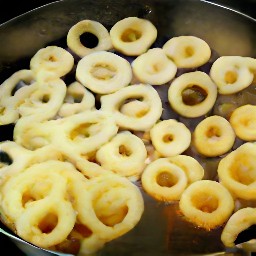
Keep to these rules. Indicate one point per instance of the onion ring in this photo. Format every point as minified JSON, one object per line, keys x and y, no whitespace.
{"x":112,"y":103}
{"x":207,"y":204}
{"x":198,"y":83}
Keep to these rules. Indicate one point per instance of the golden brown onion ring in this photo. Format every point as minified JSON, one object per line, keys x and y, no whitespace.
{"x":214,"y":136}
{"x":241,"y":220}
{"x":243,"y":121}
{"x":170,"y":137}
{"x":164,"y":180}
{"x":236,"y":171}
{"x":207,"y":204}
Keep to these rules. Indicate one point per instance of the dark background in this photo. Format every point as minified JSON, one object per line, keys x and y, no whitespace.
{"x":11,"y":9}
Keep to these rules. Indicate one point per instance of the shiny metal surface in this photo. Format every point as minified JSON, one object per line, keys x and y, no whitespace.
{"x":162,"y":229}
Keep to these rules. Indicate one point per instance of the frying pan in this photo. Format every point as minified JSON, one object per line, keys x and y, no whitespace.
{"x":161,"y":231}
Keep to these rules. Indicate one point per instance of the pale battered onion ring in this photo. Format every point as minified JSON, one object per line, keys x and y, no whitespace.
{"x":207,"y":204}
{"x":125,"y":155}
{"x":199,"y":87}
{"x":87,"y":168}
{"x":187,"y":51}
{"x":21,"y":157}
{"x":232,"y":73}
{"x":52,"y":197}
{"x":117,"y":206}
{"x":82,"y":133}
{"x":170,"y":137}
{"x":77,"y":99}
{"x":91,"y":27}
{"x":241,"y":220}
{"x":45,"y":100}
{"x":29,"y":188}
{"x":163,"y":180}
{"x":42,"y":105}
{"x":28,"y":225}
{"x":32,"y":133}
{"x":91,"y":244}
{"x":8,"y":101}
{"x":53,"y":59}
{"x":38,"y":206}
{"x":236,"y":171}
{"x":144,"y":120}
{"x":104,"y":72}
{"x":8,"y":86}
{"x":17,"y":157}
{"x":214,"y":136}
{"x":154,"y":67}
{"x":189,"y":165}
{"x":133,"y":36}
{"x":243,"y":121}
{"x":134,"y":108}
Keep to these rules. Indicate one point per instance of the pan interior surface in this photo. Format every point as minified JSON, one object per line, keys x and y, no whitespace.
{"x":162,"y":229}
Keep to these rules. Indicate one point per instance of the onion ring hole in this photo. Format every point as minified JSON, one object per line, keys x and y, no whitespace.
{"x":19,"y":85}
{"x":111,"y":218}
{"x":124,"y":151}
{"x":166,"y":179}
{"x":103,"y":71}
{"x":134,"y":107}
{"x":89,"y":40}
{"x":82,"y":131}
{"x":205,"y":202}
{"x":48,"y":223}
{"x":130,"y":35}
{"x":5,"y":159}
{"x":193,"y":95}
{"x":231,"y":77}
